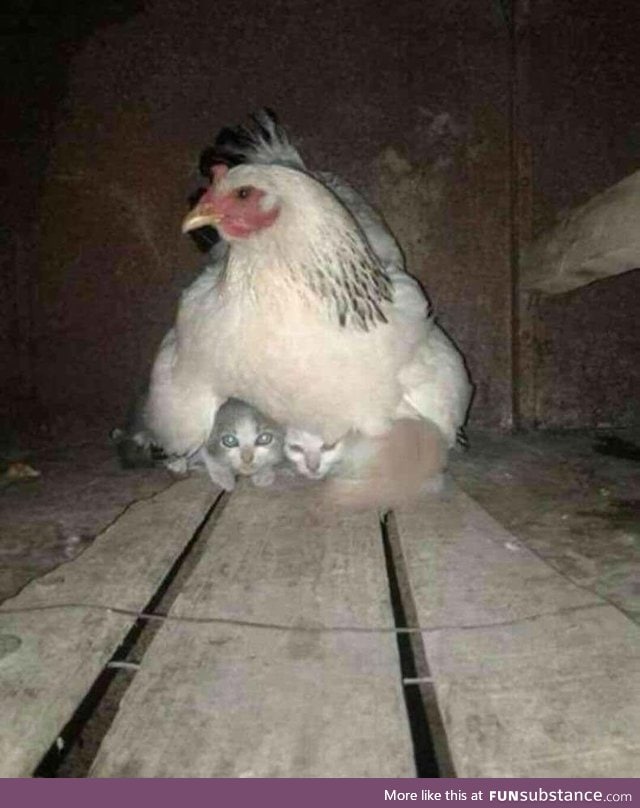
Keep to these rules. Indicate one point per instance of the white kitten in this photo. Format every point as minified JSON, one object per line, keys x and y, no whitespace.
{"x":243,"y":441}
{"x":312,"y":457}
{"x":315,"y":459}
{"x":366,"y":472}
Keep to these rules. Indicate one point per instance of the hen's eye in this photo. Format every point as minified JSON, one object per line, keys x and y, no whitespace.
{"x":244,"y":192}
{"x":293,"y":447}
{"x":230,"y":441}
{"x":264,"y":438}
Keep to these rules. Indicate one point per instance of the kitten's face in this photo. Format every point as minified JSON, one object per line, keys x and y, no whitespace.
{"x":311,"y":457}
{"x":246,"y":440}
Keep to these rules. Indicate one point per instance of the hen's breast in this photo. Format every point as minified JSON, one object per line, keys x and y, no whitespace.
{"x":281,"y":351}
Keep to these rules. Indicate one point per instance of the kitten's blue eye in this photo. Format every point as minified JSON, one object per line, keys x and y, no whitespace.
{"x":327,"y":447}
{"x":230,"y":441}
{"x":264,"y":438}
{"x":293,"y":447}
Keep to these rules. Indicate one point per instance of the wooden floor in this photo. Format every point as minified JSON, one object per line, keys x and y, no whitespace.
{"x":277,"y":651}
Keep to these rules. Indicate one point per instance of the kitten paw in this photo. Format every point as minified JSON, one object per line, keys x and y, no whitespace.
{"x":219,"y":474}
{"x":222,"y":477}
{"x":178,"y":465}
{"x":225,"y":480}
{"x":263,"y":478}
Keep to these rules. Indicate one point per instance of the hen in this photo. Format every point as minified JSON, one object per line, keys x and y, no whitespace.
{"x":309,"y":314}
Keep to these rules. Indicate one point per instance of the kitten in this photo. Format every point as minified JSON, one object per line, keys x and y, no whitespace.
{"x":364,"y":472}
{"x":310,"y":456}
{"x":243,"y":442}
{"x":315,"y":459}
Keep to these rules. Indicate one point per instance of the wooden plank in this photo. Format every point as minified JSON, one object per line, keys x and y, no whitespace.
{"x":57,"y":634}
{"x":534,"y":676}
{"x":215,"y":700}
{"x":597,"y":240}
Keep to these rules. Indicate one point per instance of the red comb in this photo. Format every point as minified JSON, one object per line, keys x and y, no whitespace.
{"x":218,"y":171}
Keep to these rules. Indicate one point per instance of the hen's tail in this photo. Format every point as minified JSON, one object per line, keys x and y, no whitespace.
{"x":264,"y":141}
{"x":393,"y":470}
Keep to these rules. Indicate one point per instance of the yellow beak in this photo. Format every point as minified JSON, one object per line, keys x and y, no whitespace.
{"x":200,"y":216}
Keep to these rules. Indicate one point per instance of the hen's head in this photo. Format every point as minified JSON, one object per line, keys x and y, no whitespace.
{"x":236,"y":206}
{"x":249,"y":199}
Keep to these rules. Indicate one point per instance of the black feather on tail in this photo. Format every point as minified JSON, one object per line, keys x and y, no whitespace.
{"x":461,"y":439}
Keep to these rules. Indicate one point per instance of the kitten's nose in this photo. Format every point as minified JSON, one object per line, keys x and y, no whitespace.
{"x":313,"y":462}
{"x":246,"y":453}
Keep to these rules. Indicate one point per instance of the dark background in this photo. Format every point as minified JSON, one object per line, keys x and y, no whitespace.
{"x":427,"y":105}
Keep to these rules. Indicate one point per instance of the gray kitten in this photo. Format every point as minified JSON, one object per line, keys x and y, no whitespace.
{"x":243,"y":441}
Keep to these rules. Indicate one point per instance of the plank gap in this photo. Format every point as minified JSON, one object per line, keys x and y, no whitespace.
{"x":430,"y":745}
{"x":73,"y":752}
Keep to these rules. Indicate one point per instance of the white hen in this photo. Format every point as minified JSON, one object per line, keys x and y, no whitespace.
{"x":310,"y":317}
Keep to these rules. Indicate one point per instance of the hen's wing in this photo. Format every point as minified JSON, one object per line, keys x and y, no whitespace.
{"x":435,"y":385}
{"x":181,"y":404}
{"x":378,"y":235}
{"x":180,"y":407}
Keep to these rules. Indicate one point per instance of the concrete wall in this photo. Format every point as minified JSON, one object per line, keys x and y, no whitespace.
{"x":409,"y":100}
{"x":39,"y":40}
{"x":584,"y":114}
